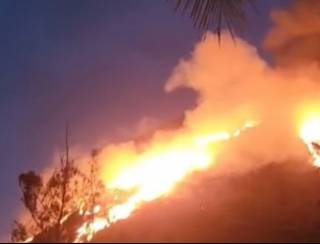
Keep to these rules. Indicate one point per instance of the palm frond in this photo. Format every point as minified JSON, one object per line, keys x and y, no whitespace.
{"x":216,"y":14}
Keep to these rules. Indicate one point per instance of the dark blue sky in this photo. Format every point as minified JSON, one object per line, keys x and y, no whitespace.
{"x":101,"y":65}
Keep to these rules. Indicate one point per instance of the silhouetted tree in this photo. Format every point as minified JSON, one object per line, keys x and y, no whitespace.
{"x":50,"y":204}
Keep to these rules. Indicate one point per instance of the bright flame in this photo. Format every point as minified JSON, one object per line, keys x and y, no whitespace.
{"x":157,"y":171}
{"x":88,"y":229}
{"x":310,"y":133}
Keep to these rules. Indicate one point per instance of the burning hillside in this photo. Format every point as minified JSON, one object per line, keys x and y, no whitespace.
{"x":233,"y":98}
{"x":247,"y":115}
{"x":278,"y":202}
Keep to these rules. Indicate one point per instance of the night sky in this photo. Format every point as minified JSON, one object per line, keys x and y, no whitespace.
{"x":100,"y":65}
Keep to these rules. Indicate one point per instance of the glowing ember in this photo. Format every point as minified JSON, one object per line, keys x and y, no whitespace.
{"x":156,"y":172}
{"x":28,"y":240}
{"x":88,"y":229}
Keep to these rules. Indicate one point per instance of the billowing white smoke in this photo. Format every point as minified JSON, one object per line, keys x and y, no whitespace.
{"x":235,"y":84}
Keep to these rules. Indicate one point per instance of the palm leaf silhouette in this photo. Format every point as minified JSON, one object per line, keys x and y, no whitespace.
{"x":215,"y":14}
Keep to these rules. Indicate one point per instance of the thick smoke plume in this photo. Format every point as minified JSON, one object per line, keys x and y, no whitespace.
{"x":235,"y":85}
{"x":295,"y":36}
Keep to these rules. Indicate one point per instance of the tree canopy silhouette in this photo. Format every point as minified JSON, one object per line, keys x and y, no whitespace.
{"x":54,"y":202}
